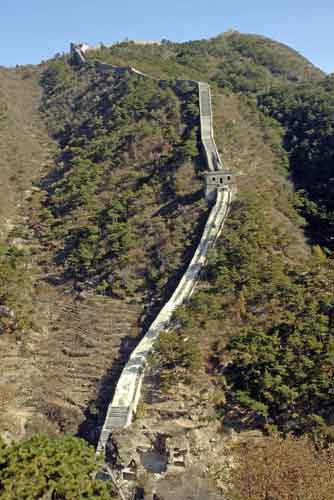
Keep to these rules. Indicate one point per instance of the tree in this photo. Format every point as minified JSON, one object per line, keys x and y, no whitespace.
{"x":41,"y":467}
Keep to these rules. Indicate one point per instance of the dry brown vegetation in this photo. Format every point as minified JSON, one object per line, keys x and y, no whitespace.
{"x":24,"y":145}
{"x":282,"y":469}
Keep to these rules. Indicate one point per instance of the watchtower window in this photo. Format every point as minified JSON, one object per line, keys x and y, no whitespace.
{"x":228,"y":178}
{"x":221,"y":180}
{"x":213,"y":178}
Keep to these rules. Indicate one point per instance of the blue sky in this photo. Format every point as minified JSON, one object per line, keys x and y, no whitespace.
{"x":33,"y":30}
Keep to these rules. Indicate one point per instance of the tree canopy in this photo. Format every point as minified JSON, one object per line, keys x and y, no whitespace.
{"x":41,"y":467}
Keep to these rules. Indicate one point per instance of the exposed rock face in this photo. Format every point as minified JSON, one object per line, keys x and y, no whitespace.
{"x":155,"y":452}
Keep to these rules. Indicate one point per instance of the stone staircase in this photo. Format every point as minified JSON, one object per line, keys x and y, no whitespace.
{"x":117,"y":417}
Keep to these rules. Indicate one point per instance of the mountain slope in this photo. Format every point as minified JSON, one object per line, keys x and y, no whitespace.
{"x":26,"y":150}
{"x":114,"y":220}
{"x":306,"y":113}
{"x":24,"y":145}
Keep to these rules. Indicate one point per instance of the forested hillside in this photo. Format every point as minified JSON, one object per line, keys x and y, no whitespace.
{"x":103,"y":229}
{"x":306,"y":113}
{"x":127,"y":172}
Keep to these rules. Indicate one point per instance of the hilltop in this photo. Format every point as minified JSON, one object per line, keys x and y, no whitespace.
{"x":238,"y":61}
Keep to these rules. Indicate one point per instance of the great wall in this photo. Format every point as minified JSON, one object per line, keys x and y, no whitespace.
{"x":219,"y":190}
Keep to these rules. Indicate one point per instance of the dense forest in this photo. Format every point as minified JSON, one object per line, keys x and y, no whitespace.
{"x":114,"y":219}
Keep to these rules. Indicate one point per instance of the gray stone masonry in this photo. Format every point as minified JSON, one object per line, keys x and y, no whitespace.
{"x":219,"y":179}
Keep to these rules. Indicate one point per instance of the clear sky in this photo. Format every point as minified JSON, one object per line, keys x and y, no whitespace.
{"x":33,"y":30}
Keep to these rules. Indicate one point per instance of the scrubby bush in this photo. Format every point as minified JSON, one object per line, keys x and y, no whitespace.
{"x":178,"y":357}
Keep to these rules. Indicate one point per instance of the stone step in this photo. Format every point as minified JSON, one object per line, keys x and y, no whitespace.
{"x":116,"y":418}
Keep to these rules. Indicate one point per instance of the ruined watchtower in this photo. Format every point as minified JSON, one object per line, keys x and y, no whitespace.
{"x":77,"y":52}
{"x":220,"y":179}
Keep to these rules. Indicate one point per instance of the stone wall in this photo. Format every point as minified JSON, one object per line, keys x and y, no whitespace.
{"x":209,"y":146}
{"x":127,"y":394}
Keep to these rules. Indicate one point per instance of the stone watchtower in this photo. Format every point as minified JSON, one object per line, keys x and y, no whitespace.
{"x":77,"y":52}
{"x":220,"y":179}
